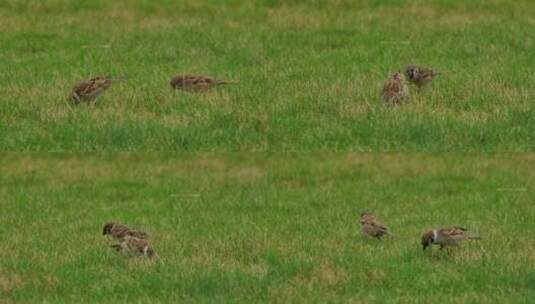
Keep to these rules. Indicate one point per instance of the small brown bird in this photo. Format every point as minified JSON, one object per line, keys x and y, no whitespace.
{"x":91,"y":89}
{"x":372,"y":226}
{"x":419,"y":75}
{"x":136,"y":246}
{"x":395,"y":90}
{"x":445,"y":237}
{"x":195,"y":83}
{"x":120,"y":232}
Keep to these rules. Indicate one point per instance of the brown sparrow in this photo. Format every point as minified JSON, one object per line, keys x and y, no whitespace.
{"x":419,"y":75}
{"x":136,"y":246}
{"x":195,"y":83}
{"x":90,"y":89}
{"x":395,"y":90}
{"x":119,"y":231}
{"x":445,"y":237}
{"x":372,"y":226}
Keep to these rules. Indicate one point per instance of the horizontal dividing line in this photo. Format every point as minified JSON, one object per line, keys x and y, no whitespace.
{"x":512,"y":189}
{"x":186,"y":194}
{"x":395,"y":42}
{"x":104,"y":46}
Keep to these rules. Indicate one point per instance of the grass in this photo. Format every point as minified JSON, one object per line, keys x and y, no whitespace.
{"x":265,"y":228}
{"x":309,"y":75}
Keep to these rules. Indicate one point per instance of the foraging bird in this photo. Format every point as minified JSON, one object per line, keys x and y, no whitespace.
{"x":395,"y":90}
{"x":445,"y":237}
{"x":372,"y":226}
{"x":419,"y":75}
{"x":195,"y":83}
{"x":136,"y":246}
{"x":120,"y":232}
{"x":90,"y":89}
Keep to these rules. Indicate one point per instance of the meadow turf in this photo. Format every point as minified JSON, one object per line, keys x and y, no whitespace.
{"x":265,"y":228}
{"x":309,"y":75}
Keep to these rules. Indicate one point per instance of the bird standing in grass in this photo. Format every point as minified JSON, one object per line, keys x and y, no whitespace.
{"x":119,"y":231}
{"x":419,"y":75}
{"x":371,"y":226}
{"x":90,"y":89}
{"x":196,"y":83}
{"x":395,"y":90}
{"x":447,"y":237}
{"x":135,"y":246}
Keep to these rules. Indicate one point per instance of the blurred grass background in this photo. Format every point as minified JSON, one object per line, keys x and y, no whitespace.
{"x":309,"y":75}
{"x":265,"y":228}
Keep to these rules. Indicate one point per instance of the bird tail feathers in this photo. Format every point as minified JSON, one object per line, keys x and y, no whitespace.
{"x":218,"y":82}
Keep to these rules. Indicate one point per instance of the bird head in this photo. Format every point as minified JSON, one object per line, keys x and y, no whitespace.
{"x":365,"y":214}
{"x":410,"y":71}
{"x":107,"y":228}
{"x":177,"y":82}
{"x":397,"y":76}
{"x":427,"y":239}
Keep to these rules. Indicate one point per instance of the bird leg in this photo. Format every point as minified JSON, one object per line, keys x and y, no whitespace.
{"x":116,"y":247}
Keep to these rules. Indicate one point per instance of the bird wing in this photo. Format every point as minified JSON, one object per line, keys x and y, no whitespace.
{"x":426,"y":73}
{"x":138,"y":234}
{"x":90,"y":89}
{"x":466,"y":233}
{"x":209,"y":81}
{"x":454,"y":232}
{"x":392,"y":87}
{"x":81,"y":87}
{"x":138,"y":245}
{"x":388,"y":86}
{"x":120,"y":231}
{"x":370,"y":223}
{"x":202,"y":80}
{"x":100,"y":84}
{"x":380,"y":226}
{"x":371,"y":230}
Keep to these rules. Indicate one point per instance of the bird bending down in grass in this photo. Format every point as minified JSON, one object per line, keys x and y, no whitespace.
{"x":447,"y":237}
{"x":395,"y":90}
{"x":196,"y":83}
{"x":90,"y":89}
{"x":131,"y":245}
{"x":419,"y":75}
{"x":120,"y":232}
{"x":371,"y":226}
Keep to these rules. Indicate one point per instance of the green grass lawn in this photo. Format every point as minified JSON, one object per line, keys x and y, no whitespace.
{"x":309,"y":75}
{"x":266,"y":228}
